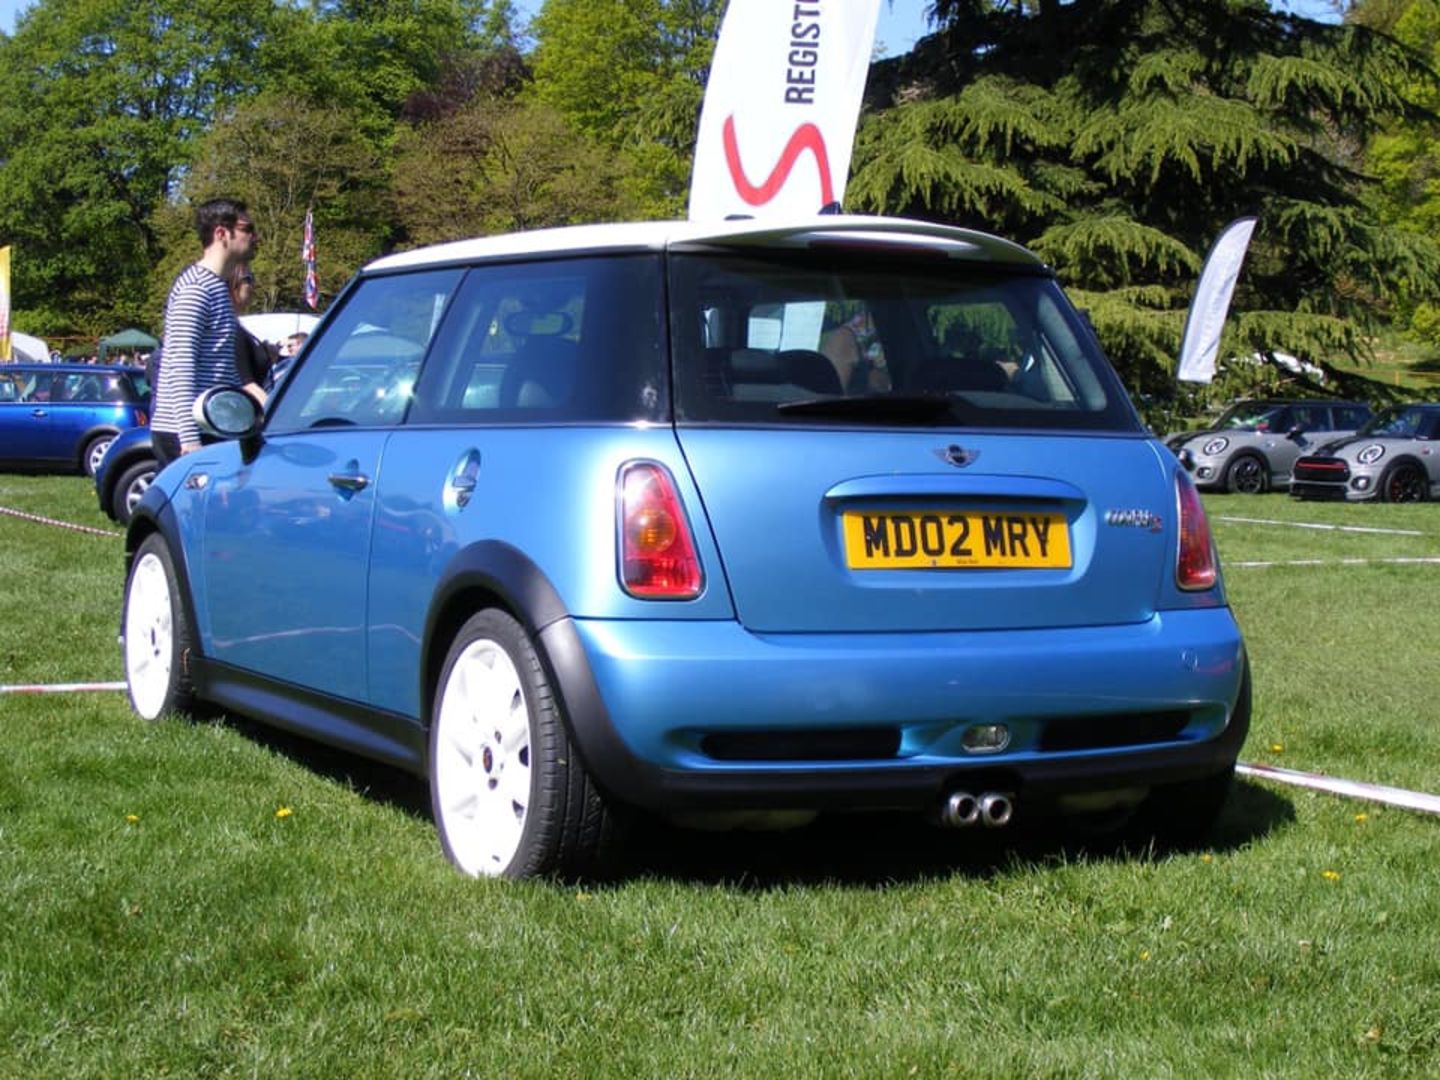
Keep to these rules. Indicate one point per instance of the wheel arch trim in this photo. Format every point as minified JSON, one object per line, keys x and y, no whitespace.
{"x":487,"y":573}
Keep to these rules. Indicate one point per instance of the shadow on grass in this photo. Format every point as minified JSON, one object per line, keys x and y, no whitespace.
{"x":875,"y":849}
{"x":374,"y":780}
{"x":883,"y":849}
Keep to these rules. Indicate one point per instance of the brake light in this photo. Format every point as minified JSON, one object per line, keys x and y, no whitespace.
{"x":657,"y":551}
{"x":1195,"y":563}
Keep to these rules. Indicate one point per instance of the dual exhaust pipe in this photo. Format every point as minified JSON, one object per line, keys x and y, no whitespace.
{"x":992,"y":809}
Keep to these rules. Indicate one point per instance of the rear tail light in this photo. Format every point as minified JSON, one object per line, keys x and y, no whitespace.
{"x":657,"y":549}
{"x":1195,"y":565}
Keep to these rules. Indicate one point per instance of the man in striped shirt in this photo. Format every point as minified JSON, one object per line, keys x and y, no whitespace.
{"x":200,"y":326}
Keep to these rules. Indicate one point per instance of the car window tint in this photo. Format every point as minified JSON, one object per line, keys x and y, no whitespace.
{"x":1350,"y":418}
{"x":10,"y":385}
{"x":564,"y":340}
{"x":838,"y":337}
{"x":361,"y":371}
{"x":1308,"y":417}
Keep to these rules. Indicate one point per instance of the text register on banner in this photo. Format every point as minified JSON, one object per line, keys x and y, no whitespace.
{"x":778,"y":122}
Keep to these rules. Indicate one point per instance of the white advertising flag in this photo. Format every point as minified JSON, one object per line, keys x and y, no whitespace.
{"x":1200,"y":344}
{"x":778,"y":122}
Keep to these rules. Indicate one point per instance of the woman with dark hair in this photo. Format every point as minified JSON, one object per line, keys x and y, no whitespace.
{"x":253,"y":357}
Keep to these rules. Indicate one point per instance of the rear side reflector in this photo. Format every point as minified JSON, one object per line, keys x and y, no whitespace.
{"x":657,"y":550}
{"x":1195,"y":563}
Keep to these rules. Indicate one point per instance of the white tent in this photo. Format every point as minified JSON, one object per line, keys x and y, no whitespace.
{"x":25,"y":347}
{"x":276,"y":326}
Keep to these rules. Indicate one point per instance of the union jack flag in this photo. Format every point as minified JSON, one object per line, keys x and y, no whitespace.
{"x":307,"y":256}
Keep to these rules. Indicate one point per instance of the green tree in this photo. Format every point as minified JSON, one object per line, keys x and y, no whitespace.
{"x":631,"y":75}
{"x":499,"y":165}
{"x":1405,"y":156}
{"x":284,"y":157}
{"x":1117,"y":137}
{"x":102,"y":99}
{"x":369,"y":57}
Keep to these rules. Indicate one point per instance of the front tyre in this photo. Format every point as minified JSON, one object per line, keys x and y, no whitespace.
{"x":1247,"y":475}
{"x":1404,"y":483}
{"x":157,"y":634}
{"x":509,"y":793}
{"x":131,"y":488}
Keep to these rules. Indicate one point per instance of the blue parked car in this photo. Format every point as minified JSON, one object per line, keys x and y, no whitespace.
{"x":733,"y":523}
{"x":125,"y":473}
{"x":63,"y":416}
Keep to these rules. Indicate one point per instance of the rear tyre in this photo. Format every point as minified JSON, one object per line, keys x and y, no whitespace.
{"x":94,"y":453}
{"x":157,"y":635}
{"x":1180,"y":817}
{"x":1247,"y":475}
{"x":510,"y":796}
{"x":1404,"y":483}
{"x":131,"y":488}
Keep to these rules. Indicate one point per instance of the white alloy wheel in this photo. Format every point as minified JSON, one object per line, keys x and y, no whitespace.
{"x":481,"y":759}
{"x":157,"y":635}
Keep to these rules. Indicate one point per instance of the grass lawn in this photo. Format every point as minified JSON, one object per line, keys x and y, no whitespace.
{"x":204,"y":899}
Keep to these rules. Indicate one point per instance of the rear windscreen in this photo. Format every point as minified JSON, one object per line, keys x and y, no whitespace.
{"x":832,"y":337}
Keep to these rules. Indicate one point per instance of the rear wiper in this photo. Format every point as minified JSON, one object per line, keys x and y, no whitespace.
{"x":893,"y":408}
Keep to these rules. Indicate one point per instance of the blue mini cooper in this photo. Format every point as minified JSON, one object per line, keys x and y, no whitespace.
{"x":732,"y":523}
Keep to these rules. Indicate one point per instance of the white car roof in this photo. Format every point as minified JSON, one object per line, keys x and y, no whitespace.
{"x":693,"y":235}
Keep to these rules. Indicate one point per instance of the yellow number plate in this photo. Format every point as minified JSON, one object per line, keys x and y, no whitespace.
{"x":926,"y":539}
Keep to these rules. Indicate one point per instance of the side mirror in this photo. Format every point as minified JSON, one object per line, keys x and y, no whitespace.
{"x":1295,"y":432}
{"x":1186,"y":459}
{"x":227,"y":413}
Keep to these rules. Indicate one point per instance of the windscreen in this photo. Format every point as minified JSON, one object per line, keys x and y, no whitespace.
{"x":861,"y":337}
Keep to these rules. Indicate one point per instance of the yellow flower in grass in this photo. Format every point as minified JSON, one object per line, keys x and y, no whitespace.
{"x":132,"y":819}
{"x":1277,"y":748}
{"x":284,"y":812}
{"x":1362,"y":818}
{"x":1207,"y":858}
{"x":1330,"y":875}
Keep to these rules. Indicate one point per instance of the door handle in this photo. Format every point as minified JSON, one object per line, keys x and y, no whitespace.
{"x":351,"y":482}
{"x":463,"y":480}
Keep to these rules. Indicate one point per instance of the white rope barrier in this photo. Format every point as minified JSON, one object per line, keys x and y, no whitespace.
{"x":60,"y":688}
{"x":1352,"y":789}
{"x":23,"y":516}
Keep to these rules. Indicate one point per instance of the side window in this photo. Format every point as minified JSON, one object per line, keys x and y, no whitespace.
{"x":1350,"y":418}
{"x":1277,"y":421}
{"x":563,"y":340}
{"x":1309,"y":417}
{"x":361,"y":371}
{"x":9,"y":387}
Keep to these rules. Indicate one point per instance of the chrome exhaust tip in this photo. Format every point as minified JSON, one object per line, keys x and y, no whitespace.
{"x":996,"y":809}
{"x":961,"y":810}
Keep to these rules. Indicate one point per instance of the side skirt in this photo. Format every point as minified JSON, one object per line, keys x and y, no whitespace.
{"x":381,"y":736}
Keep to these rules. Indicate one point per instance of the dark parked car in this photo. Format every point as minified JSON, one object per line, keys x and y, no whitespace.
{"x":1393,"y":458}
{"x":732,"y":522}
{"x":1253,"y":446}
{"x":63,"y":416}
{"x":125,"y":473}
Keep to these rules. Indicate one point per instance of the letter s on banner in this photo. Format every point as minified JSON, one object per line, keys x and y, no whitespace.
{"x":806,"y":137}
{"x":778,"y":122}
{"x":1200,"y":344}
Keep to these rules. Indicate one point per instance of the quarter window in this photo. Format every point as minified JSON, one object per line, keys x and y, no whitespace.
{"x":558,"y":341}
